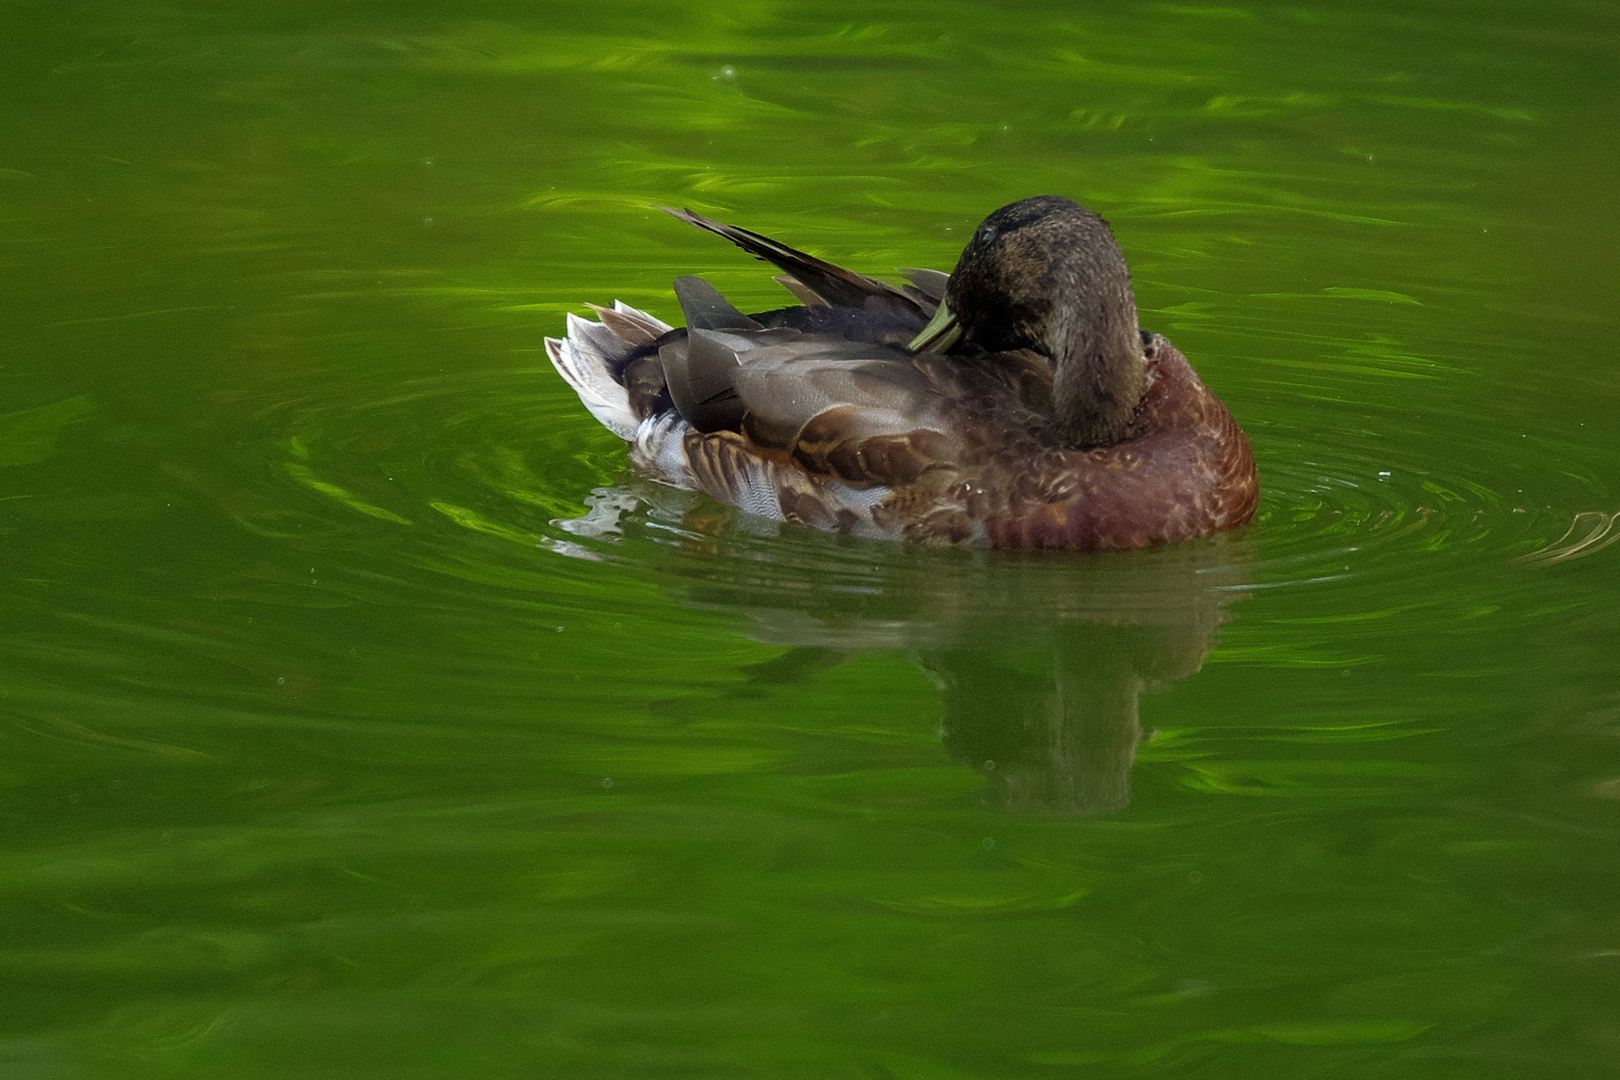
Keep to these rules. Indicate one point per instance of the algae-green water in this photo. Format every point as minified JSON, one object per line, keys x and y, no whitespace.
{"x":361,"y":715}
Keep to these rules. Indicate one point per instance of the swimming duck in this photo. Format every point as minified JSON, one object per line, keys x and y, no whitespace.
{"x":1013,"y":403}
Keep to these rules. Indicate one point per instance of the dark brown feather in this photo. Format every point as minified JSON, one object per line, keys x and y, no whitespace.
{"x":835,"y":286}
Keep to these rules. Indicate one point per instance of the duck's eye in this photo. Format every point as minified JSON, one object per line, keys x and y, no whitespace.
{"x":987,"y":232}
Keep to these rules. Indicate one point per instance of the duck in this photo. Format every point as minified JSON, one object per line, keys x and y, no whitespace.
{"x":1014,"y":403}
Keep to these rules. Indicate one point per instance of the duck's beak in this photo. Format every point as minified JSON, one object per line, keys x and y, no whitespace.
{"x":943,"y":331}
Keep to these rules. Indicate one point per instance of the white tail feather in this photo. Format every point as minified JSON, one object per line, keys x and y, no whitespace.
{"x":656,"y":327}
{"x":586,"y":358}
{"x":605,"y":398}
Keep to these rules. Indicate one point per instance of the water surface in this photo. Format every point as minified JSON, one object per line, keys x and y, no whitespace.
{"x":362,"y":715}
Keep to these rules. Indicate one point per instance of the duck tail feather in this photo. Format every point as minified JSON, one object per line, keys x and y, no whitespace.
{"x":587,"y":359}
{"x":632,"y":331}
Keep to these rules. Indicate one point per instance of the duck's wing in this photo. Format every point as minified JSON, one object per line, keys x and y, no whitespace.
{"x":839,"y":410}
{"x":706,"y":307}
{"x":815,"y":282}
{"x":861,"y":413}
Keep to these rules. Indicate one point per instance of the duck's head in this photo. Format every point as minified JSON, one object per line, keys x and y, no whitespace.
{"x":1046,"y":274}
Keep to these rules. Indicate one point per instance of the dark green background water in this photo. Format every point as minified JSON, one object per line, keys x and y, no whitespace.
{"x":360,"y":716}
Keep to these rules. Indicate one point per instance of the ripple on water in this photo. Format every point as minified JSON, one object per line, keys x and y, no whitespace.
{"x":458,"y":495}
{"x":1415,"y":508}
{"x":1410,"y":506}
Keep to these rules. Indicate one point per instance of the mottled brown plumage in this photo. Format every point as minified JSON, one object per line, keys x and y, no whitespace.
{"x":1034,"y":413}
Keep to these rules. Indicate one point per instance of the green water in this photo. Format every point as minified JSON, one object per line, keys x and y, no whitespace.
{"x":361,"y":716}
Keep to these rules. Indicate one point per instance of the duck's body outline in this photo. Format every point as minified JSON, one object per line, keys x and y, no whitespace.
{"x":820,"y":415}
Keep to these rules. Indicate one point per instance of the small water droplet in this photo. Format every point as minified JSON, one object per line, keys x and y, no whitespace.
{"x":607,"y":781}
{"x":989,"y":842}
{"x":1195,"y":877}
{"x":280,"y":680}
{"x":989,"y":766}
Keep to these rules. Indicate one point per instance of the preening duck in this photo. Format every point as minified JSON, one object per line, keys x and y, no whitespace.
{"x":1014,"y":403}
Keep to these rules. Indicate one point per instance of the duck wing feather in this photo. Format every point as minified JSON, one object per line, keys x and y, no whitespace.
{"x":865,"y":414}
{"x":813,"y":279}
{"x":706,"y":308}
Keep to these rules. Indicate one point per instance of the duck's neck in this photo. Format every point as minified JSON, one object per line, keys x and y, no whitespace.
{"x":1100,"y":371}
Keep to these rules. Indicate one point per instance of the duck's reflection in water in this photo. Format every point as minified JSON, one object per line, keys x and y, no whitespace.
{"x":1053,"y":720}
{"x":1041,"y":660}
